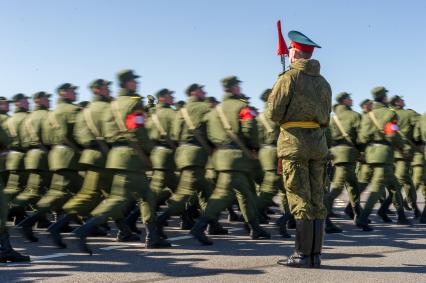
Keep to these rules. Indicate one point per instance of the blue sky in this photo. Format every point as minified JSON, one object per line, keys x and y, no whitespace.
{"x":175,"y":43}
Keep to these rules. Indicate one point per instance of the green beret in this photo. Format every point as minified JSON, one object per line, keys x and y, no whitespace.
{"x":342,"y":96}
{"x":66,"y":86}
{"x":192,"y":87}
{"x":230,"y":81}
{"x":126,"y":75}
{"x":19,"y":96}
{"x":265,"y":94}
{"x":41,"y":94}
{"x":394,"y":99}
{"x":379,"y":92}
{"x":163,"y":92}
{"x":2,"y":98}
{"x":99,"y":83}
{"x":365,"y":101}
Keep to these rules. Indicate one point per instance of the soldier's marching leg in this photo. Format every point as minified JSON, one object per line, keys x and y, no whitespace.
{"x":268,"y":189}
{"x":419,"y":180}
{"x":402,"y":174}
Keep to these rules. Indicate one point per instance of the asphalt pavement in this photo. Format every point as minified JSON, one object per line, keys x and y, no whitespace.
{"x":390,"y":253}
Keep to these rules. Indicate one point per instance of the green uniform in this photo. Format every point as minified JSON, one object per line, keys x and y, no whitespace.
{"x":4,"y":141}
{"x":379,"y":155}
{"x":63,"y":157}
{"x":345,"y":155}
{"x":97,"y":179}
{"x":190,"y":157}
{"x":303,"y":112}
{"x":36,"y":163}
{"x":419,"y":161}
{"x":164,"y":181}
{"x":272,"y":182}
{"x":129,"y":181}
{"x":15,"y":159}
{"x":3,"y":155}
{"x":406,"y":122}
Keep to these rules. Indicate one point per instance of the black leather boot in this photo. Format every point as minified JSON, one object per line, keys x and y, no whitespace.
{"x":18,"y":214}
{"x":257,"y":232}
{"x":233,"y":216}
{"x":330,"y":227}
{"x":303,"y":245}
{"x":282,"y":225}
{"x":186,"y":221}
{"x":125,"y":234}
{"x":132,"y":220}
{"x":215,"y":228}
{"x":43,"y":222}
{"x":26,"y":226}
{"x":198,"y":231}
{"x":402,"y":219}
{"x":317,"y":243}
{"x":55,"y":229}
{"x":417,"y":212}
{"x":7,"y":253}
{"x":153,"y":239}
{"x":349,"y":211}
{"x":423,"y":217}
{"x":382,"y":210}
{"x":161,"y":220}
{"x":364,"y":226}
{"x":83,"y":231}
{"x":291,"y":224}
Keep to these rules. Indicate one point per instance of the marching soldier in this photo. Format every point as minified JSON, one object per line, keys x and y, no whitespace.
{"x":301,"y":103}
{"x":378,"y":132}
{"x":231,"y":127}
{"x":58,"y":131}
{"x":36,"y":163}
{"x":419,"y":161}
{"x":4,"y":109}
{"x":123,"y":127}
{"x":406,"y":122}
{"x":272,"y":182}
{"x":344,"y":128}
{"x":17,"y":176}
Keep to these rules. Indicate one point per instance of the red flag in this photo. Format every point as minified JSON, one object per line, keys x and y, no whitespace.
{"x":282,"y":46}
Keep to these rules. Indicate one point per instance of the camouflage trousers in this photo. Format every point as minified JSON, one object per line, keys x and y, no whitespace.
{"x":127,"y":187}
{"x":304,"y":186}
{"x":402,"y":174}
{"x":96,"y":186}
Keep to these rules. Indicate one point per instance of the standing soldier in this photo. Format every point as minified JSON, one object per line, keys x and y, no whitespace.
{"x":63,"y":158}
{"x":232,"y":128}
{"x":406,"y":123}
{"x":159,"y":128}
{"x":15,"y":159}
{"x":378,"y":132}
{"x":7,"y":253}
{"x":123,"y":127}
{"x":272,"y":182}
{"x":344,"y":128}
{"x":419,"y":166}
{"x":97,"y":179}
{"x":36,"y":163}
{"x":301,"y":103}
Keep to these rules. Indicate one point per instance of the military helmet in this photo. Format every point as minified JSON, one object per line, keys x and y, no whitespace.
{"x":265,"y":94}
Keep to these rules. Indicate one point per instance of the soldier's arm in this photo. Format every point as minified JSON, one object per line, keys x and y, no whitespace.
{"x":139,"y":130}
{"x":279,"y":98}
{"x":249,"y":128}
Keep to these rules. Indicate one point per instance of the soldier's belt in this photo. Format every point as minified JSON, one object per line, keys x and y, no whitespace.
{"x":300,"y":124}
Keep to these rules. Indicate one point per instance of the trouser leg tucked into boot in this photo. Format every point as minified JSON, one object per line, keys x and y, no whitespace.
{"x":303,"y":245}
{"x":402,"y":219}
{"x":383,"y":208}
{"x":330,"y":227}
{"x":125,"y":234}
{"x":215,"y":228}
{"x":83,"y":231}
{"x":363,"y":225}
{"x":132,"y":220}
{"x":257,"y":232}
{"x":282,"y":225}
{"x":153,"y":239}
{"x":7,"y":253}
{"x":423,"y":217}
